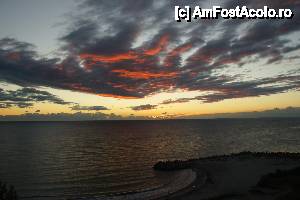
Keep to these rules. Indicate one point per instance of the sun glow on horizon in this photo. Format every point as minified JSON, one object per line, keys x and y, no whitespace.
{"x":123,"y":107}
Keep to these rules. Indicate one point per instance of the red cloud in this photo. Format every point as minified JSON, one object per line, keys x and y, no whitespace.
{"x":176,"y":52}
{"x":117,"y":96}
{"x":143,"y":75}
{"x":161,"y":45}
{"x":109,"y":59}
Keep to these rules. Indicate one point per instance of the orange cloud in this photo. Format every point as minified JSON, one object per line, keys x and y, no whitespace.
{"x":181,"y":49}
{"x":143,"y":75}
{"x":175,"y":53}
{"x":131,"y":55}
{"x":117,"y":96}
{"x":109,"y":59}
{"x":161,"y":45}
{"x":79,"y":87}
{"x":122,"y":86}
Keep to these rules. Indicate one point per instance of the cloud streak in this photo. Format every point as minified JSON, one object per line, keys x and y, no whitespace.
{"x":26,"y":97}
{"x":144,"y":107}
{"x":88,"y":108}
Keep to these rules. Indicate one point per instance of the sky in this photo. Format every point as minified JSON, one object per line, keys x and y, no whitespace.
{"x":131,"y":60}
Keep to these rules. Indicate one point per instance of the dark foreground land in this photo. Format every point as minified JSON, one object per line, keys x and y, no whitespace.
{"x":243,"y":176}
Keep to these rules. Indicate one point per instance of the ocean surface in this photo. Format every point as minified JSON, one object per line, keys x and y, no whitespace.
{"x":59,"y":160}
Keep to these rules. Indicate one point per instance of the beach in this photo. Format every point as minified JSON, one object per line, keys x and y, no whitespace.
{"x":181,"y":180}
{"x":245,"y":176}
{"x":240,"y":176}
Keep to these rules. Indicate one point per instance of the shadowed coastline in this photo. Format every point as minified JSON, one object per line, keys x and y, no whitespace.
{"x":7,"y":193}
{"x":245,"y":175}
{"x":186,"y":164}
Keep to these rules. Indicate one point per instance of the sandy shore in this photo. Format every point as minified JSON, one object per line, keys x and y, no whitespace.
{"x":243,"y":176}
{"x":183,"y":179}
{"x":237,"y":177}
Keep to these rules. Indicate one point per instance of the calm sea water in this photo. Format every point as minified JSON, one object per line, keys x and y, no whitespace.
{"x":56,"y":160}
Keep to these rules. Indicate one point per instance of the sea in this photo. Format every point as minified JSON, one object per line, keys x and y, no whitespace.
{"x":68,"y":160}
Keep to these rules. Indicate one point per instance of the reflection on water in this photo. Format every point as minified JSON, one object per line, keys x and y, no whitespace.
{"x":69,"y":159}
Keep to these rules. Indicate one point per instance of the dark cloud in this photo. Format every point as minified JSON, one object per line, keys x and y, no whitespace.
{"x":16,"y":104}
{"x":58,"y":117}
{"x":244,"y":89}
{"x":25,"y":97}
{"x":88,"y":108}
{"x":78,"y":116}
{"x":273,"y":113}
{"x":144,"y":107}
{"x":130,"y":49}
{"x":180,"y":100}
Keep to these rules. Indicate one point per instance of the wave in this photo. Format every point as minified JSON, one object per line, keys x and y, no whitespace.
{"x":183,"y":179}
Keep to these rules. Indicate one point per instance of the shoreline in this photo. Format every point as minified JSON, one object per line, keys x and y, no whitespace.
{"x":241,"y":176}
{"x":217,"y":177}
{"x":183,"y":179}
{"x":174,"y":165}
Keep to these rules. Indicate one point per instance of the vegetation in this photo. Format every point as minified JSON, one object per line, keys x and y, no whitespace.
{"x":7,"y":193}
{"x":283,"y":180}
{"x":172,"y":165}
